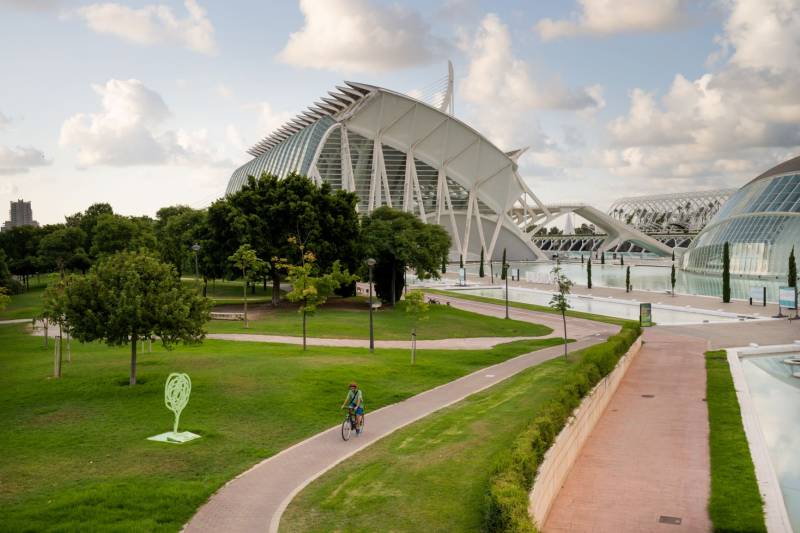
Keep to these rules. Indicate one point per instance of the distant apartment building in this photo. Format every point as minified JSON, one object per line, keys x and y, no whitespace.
{"x":19,"y":214}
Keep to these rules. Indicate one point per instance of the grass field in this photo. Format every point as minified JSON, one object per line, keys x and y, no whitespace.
{"x":25,"y":305}
{"x":735,"y":504}
{"x":349,"y":318}
{"x":431,"y":475}
{"x":74,"y":454}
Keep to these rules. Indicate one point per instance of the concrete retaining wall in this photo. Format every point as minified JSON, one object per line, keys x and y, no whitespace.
{"x":561,"y":456}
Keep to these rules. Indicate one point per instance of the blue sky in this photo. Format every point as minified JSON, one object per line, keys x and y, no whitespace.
{"x":150,"y":104}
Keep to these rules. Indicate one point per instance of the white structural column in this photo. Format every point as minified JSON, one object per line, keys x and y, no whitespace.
{"x":478,"y":222}
{"x":348,"y":181}
{"x":470,"y":202}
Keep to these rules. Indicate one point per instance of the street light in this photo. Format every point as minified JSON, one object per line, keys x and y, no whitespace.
{"x":370,"y":264}
{"x":505,"y":269}
{"x":196,"y":248}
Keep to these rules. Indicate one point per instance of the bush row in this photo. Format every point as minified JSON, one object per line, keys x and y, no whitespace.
{"x":512,"y":479}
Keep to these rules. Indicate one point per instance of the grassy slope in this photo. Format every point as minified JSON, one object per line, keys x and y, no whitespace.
{"x":735,"y":504}
{"x":431,"y":475}
{"x":533,"y":307}
{"x":74,"y":454}
{"x":25,"y":305}
{"x":390,"y":324}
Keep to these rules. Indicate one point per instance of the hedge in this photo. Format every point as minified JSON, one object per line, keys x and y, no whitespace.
{"x":512,"y":479}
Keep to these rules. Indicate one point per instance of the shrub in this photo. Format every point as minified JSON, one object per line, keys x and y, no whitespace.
{"x":514,"y":472}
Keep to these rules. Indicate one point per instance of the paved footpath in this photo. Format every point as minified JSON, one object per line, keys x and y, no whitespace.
{"x":648,"y":455}
{"x":256,"y":499}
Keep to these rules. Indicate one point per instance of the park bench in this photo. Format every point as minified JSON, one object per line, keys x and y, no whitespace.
{"x":227,"y":316}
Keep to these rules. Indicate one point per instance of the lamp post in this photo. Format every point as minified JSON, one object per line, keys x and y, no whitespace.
{"x":505,"y":268}
{"x":195,"y":249}
{"x":370,"y":264}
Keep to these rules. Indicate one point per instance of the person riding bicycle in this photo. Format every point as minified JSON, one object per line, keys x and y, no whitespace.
{"x":355,"y":400}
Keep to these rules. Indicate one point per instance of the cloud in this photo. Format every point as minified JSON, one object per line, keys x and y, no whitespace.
{"x":21,"y":159}
{"x":223,"y":91}
{"x":607,"y":17}
{"x":153,"y":24}
{"x":710,"y":127}
{"x":128,"y":131}
{"x":4,"y":120}
{"x":502,"y":90}
{"x":357,"y":36}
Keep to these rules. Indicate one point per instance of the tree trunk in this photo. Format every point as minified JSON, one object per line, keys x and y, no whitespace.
{"x":276,"y":290}
{"x":304,"y":330}
{"x":133,"y":359}
{"x":564,"y":318}
{"x":205,"y":286}
{"x":46,"y":330}
{"x":57,"y":358}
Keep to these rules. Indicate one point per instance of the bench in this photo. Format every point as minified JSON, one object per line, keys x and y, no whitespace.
{"x":227,"y":316}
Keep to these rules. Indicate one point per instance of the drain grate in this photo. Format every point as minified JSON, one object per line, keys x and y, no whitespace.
{"x":674,"y":520}
{"x":648,"y":396}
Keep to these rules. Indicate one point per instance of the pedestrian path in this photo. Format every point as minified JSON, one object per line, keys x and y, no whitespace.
{"x":645,"y":466}
{"x":468,"y":343}
{"x":256,"y":499}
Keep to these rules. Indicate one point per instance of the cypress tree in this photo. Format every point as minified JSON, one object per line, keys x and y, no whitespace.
{"x":627,"y":279}
{"x":504,"y":267}
{"x":621,"y":260}
{"x":673,"y":254}
{"x":581,"y":258}
{"x":602,"y":258}
{"x":726,"y":273}
{"x":444,"y":264}
{"x":460,"y":261}
{"x":792,"y":270}
{"x":589,"y":273}
{"x":480,"y":269}
{"x":672,"y":279}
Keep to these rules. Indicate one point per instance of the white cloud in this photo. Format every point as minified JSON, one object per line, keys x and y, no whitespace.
{"x":223,"y":91}
{"x":357,"y":36}
{"x":21,"y":159}
{"x":606,"y":17}
{"x":503,"y":92}
{"x":4,"y":120}
{"x":709,"y":128}
{"x":153,"y":24}
{"x":128,"y":131}
{"x":269,"y":120}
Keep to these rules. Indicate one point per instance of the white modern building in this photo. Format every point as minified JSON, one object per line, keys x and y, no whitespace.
{"x":392,"y":149}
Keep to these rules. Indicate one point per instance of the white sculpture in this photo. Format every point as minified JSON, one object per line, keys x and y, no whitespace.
{"x":176,"y":396}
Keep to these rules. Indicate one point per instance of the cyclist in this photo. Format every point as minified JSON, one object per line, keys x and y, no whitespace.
{"x":355,"y":400}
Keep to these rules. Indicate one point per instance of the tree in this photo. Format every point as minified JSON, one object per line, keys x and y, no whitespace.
{"x":245,"y":260}
{"x":602,"y":258}
{"x":5,"y":299}
{"x":444,"y":264}
{"x":112,"y":234}
{"x":559,"y":300}
{"x":504,"y":267}
{"x":792,"y":281}
{"x":398,"y":240}
{"x":481,"y":272}
{"x":57,"y":249}
{"x":131,"y":296}
{"x":21,"y":245}
{"x":627,"y":279}
{"x":177,"y":229}
{"x":589,"y":273}
{"x":54,"y":311}
{"x":672,"y":279}
{"x":87,"y":221}
{"x":417,"y":307}
{"x":621,"y":259}
{"x":726,"y":273}
{"x":673,"y":254}
{"x":460,"y":261}
{"x":312,"y":290}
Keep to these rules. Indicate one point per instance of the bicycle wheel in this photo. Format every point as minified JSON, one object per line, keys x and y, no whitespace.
{"x":347,"y":427}
{"x":363,"y":422}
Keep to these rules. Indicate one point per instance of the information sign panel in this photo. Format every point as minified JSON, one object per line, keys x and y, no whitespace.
{"x":646,"y":314}
{"x":787,"y":296}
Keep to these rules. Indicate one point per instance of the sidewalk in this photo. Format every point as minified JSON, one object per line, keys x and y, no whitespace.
{"x":647,"y":460}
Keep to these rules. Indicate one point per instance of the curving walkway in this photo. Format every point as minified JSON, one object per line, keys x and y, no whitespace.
{"x":256,"y":499}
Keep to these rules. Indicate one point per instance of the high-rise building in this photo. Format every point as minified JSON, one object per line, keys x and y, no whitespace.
{"x":20,"y":214}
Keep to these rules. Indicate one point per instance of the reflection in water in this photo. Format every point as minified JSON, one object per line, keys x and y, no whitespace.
{"x":776,"y":396}
{"x":649,"y":278}
{"x":600,"y":306}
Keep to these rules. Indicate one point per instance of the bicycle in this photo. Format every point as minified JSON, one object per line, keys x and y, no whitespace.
{"x":349,"y":423}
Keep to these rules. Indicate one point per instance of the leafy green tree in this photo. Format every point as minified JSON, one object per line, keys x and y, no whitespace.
{"x":131,"y":296}
{"x":398,"y":240}
{"x":504,"y":266}
{"x":417,"y":307}
{"x":59,"y":247}
{"x":245,"y":260}
{"x":480,"y":269}
{"x":5,"y":299}
{"x":311,"y":290}
{"x":726,"y":273}
{"x":177,"y":228}
{"x":559,"y":301}
{"x":589,"y":273}
{"x":54,"y":310}
{"x":672,"y":279}
{"x":87,"y":221}
{"x":792,"y":274}
{"x":21,"y":246}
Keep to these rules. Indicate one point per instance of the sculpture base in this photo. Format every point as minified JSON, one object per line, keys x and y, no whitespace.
{"x":175,"y":438}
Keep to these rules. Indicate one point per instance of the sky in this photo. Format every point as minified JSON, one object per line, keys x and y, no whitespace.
{"x":144,"y":105}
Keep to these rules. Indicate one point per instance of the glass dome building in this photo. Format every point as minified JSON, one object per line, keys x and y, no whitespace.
{"x":761,"y":222}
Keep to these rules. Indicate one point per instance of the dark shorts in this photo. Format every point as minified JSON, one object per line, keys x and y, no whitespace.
{"x":359,"y":410}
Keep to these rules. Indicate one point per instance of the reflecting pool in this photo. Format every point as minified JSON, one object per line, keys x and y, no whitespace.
{"x":646,"y":277}
{"x":662,"y":314}
{"x":776,"y":397}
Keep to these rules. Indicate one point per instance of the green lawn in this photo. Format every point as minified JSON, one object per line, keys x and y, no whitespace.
{"x":462,"y":295}
{"x":433,"y":474}
{"x":25,"y":305}
{"x":231,"y":292}
{"x":735,"y":504}
{"x":349,"y":318}
{"x":74,"y":454}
